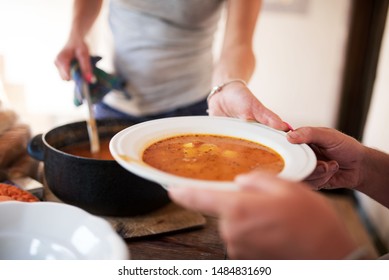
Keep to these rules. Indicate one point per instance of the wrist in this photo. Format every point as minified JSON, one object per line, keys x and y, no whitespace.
{"x":219,"y":88}
{"x":364,"y":169}
{"x":373,"y":180}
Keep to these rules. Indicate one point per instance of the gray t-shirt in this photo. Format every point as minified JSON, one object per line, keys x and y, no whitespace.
{"x":163,"y":48}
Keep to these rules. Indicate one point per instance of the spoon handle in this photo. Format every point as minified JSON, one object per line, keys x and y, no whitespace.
{"x":91,"y":121}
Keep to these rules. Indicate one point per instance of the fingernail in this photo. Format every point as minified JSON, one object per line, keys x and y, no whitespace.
{"x":90,"y":78}
{"x":289,"y":126}
{"x":293,"y":134}
{"x":334,"y":166}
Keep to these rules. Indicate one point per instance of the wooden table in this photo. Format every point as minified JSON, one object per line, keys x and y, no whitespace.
{"x":205,"y":244}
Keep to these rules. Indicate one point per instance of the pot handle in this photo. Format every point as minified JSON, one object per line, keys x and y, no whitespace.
{"x":36,"y":147}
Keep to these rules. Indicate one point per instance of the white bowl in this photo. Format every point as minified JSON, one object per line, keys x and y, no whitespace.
{"x":49,"y":230}
{"x":128,"y":145}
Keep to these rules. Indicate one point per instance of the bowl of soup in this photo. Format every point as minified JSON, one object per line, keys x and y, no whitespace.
{"x":202,"y":151}
{"x":93,"y":182}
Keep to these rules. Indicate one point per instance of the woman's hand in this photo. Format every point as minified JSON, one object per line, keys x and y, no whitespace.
{"x":85,"y":13}
{"x":75,"y":49}
{"x":270,"y":218}
{"x":237,"y":101}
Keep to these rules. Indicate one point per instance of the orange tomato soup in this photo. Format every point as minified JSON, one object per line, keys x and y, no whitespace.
{"x":82,"y":149}
{"x":211,"y":157}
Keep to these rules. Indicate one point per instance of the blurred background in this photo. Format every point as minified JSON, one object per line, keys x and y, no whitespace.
{"x":320,"y":63}
{"x":300,"y":47}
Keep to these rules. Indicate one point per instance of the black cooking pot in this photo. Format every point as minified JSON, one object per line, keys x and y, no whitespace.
{"x":101,"y":187}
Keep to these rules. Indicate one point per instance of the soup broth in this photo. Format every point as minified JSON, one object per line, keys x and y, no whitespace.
{"x":83,"y":150}
{"x":211,"y":157}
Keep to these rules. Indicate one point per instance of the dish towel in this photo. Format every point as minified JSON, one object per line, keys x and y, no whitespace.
{"x":104,"y":83}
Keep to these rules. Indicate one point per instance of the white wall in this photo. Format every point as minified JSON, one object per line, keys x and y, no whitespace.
{"x":31,"y":34}
{"x":300,"y":61}
{"x":376,"y":131}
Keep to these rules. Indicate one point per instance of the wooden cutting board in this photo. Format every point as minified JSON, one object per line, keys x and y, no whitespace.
{"x":166,"y":219}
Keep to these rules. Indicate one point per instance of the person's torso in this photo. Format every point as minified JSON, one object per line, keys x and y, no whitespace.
{"x":164,"y":50}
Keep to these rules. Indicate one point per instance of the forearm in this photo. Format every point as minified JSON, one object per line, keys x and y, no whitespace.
{"x":375,"y":176}
{"x":237,"y":59}
{"x":85,"y":13}
{"x":236,"y":62}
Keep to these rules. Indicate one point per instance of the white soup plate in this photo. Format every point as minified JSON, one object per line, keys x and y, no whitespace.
{"x":52,"y":231}
{"x":128,"y":145}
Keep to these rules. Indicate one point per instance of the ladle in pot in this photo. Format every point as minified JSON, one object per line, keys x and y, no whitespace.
{"x":91,"y":121}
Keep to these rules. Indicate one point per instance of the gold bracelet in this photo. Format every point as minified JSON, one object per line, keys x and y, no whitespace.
{"x":218,"y":88}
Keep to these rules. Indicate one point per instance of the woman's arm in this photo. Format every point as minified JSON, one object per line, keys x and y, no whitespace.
{"x":85,"y":13}
{"x":237,"y":61}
